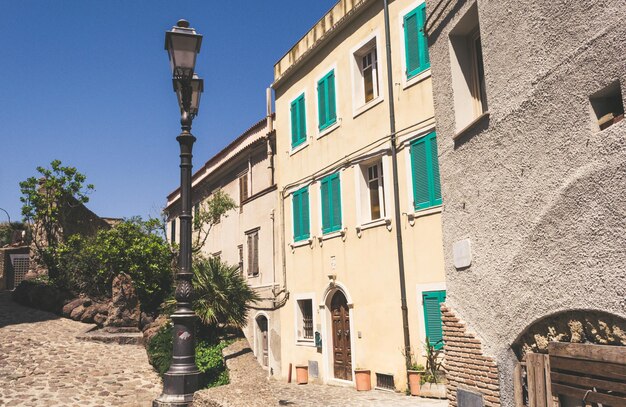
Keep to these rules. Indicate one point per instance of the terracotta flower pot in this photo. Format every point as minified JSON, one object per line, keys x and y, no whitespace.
{"x":302,"y":374}
{"x":415,"y":378}
{"x":363,"y":379}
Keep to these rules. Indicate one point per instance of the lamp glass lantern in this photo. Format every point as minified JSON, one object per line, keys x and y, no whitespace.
{"x":196,"y":87}
{"x":183,"y":45}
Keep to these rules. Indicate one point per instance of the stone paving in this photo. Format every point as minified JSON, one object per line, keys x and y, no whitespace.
{"x":250,"y":387}
{"x":43,"y":364}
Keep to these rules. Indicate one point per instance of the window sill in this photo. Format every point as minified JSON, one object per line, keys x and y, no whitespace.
{"x":305,"y":342}
{"x":424,"y":212}
{"x":373,"y":224}
{"x":364,"y":108}
{"x":300,"y":243}
{"x":329,"y":129}
{"x":417,"y":79}
{"x":470,"y":126}
{"x":299,"y":147}
{"x":340,"y":233}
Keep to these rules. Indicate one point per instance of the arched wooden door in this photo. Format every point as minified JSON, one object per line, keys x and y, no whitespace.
{"x":342,"y":354}
{"x":262,"y":323}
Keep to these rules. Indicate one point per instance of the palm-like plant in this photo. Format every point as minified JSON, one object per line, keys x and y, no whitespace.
{"x":222,"y":295}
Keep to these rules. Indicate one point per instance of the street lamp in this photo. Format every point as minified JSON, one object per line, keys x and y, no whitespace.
{"x":181,"y":380}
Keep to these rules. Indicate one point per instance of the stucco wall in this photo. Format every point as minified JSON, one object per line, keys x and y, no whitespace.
{"x":537,"y":188}
{"x":364,"y":260}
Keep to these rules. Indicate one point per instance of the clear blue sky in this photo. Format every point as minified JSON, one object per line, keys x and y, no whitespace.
{"x":88,"y":82}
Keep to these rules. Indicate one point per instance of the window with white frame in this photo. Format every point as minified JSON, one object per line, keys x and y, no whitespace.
{"x":375,"y":200}
{"x":468,"y":75}
{"x":305,"y":320}
{"x":252,"y":238}
{"x":173,"y":230}
{"x":367,"y":79}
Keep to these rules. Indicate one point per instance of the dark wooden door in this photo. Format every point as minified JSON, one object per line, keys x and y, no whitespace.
{"x":342,"y":355}
{"x":262,"y":321}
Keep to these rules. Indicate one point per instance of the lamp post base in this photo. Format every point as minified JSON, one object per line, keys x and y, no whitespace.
{"x":183,"y":385}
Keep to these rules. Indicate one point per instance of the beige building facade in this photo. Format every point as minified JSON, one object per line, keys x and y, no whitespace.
{"x":247,"y":235}
{"x":365,"y":278}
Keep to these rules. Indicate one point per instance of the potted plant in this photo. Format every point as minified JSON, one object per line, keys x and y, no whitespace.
{"x":415,"y":373}
{"x":363,"y":379}
{"x":433,"y":378}
{"x":302,"y":374}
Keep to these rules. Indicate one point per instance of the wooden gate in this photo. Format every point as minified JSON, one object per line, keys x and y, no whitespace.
{"x":342,"y":355}
{"x":572,"y":374}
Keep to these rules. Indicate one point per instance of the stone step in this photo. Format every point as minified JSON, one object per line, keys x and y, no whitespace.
{"x":122,"y":336}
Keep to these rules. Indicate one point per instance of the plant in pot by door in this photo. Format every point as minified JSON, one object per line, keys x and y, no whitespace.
{"x":433,"y":379}
{"x":363,"y":379}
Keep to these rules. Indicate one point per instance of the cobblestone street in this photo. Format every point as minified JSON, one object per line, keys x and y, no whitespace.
{"x":42,"y":364}
{"x":250,"y":387}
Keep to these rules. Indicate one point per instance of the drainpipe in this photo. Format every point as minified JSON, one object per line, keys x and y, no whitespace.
{"x":270,"y":129}
{"x":396,"y":194}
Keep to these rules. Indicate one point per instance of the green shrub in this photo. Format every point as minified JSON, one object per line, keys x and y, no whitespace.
{"x":88,"y":265}
{"x":160,"y":349}
{"x":210,"y":362}
{"x":209,"y":358}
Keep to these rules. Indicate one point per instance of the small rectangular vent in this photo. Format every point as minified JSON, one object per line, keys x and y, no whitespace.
{"x":385,"y":381}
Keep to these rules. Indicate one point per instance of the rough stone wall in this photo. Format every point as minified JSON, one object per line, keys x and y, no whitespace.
{"x":539,"y":191}
{"x":465,"y":364}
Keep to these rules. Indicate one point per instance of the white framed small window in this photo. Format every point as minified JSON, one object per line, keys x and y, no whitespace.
{"x":375,"y":190}
{"x":371,"y":184}
{"x":366,"y":75}
{"x":305,"y":319}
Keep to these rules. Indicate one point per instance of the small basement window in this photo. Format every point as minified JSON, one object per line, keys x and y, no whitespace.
{"x":608,"y":105}
{"x":385,"y":381}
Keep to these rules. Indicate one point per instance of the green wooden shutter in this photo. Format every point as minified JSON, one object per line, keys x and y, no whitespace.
{"x":321,"y":103}
{"x":432,"y":316}
{"x":301,"y":120}
{"x":434,"y":166}
{"x":297,"y":215}
{"x":335,"y":202}
{"x":294,"y":123}
{"x":424,"y":59}
{"x":305,"y":229}
{"x":411,"y":43}
{"x":332,"y":109}
{"x":416,"y":42}
{"x":326,"y":220}
{"x":419,"y":166}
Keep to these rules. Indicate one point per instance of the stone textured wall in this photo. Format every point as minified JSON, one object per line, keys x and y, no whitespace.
{"x":537,"y":188}
{"x":466,"y":365}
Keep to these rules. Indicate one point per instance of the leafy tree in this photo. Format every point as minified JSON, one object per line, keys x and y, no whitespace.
{"x":209,"y":215}
{"x":45,"y":201}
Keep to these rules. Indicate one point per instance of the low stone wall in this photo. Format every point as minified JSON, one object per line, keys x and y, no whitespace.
{"x":466,"y":365}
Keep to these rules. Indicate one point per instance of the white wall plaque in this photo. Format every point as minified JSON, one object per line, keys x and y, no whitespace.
{"x":462,"y":253}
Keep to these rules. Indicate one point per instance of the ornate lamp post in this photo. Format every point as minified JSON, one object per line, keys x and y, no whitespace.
{"x":181,"y":380}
